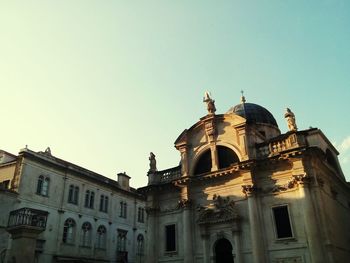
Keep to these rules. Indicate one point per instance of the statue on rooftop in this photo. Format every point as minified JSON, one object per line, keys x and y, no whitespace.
{"x":289,"y":115}
{"x":210,"y":103}
{"x":152,"y":162}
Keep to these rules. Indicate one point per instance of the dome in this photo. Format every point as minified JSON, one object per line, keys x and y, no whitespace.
{"x":253,"y":113}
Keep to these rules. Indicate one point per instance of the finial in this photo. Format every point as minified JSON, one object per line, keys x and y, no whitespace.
{"x":242,"y":97}
{"x":210,"y":103}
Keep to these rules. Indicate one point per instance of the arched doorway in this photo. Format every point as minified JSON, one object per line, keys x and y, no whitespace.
{"x":223,"y":251}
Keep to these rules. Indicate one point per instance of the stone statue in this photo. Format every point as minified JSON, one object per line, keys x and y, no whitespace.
{"x":152,"y":162}
{"x":289,"y":115}
{"x":210,"y":103}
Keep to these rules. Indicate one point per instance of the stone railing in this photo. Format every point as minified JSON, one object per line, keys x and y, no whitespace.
{"x":274,"y":147}
{"x":28,"y":217}
{"x":164,"y":176}
{"x":169,"y":174}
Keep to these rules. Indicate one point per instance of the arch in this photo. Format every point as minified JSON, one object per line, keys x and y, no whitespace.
{"x":101,"y":237}
{"x":86,"y":234}
{"x":226,"y":156}
{"x":223,"y":251}
{"x":203,"y":164}
{"x":69,"y":231}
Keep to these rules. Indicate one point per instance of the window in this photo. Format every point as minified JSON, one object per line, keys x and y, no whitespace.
{"x":170,"y":238}
{"x":104,"y":203}
{"x":121,"y":242}
{"x":203,"y":164}
{"x":140,"y":248}
{"x":86,"y":234}
{"x":123,"y":209}
{"x":101,"y":237}
{"x":89,"y":199}
{"x":282,"y":222}
{"x":68,"y":231}
{"x":141,"y":215}
{"x":73,"y":194}
{"x":43,"y":185}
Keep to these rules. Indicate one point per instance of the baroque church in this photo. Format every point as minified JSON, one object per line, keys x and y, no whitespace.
{"x":243,"y":192}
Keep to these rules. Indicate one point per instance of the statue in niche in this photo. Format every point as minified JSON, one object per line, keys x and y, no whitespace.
{"x":289,"y":115}
{"x":152,"y":162}
{"x":210,"y":103}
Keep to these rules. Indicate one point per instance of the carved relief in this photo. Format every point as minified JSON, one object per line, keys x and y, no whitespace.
{"x":210,"y":129}
{"x":220,"y":210}
{"x":249,"y":189}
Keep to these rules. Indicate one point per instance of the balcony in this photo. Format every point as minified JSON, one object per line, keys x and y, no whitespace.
{"x":28,"y":217}
{"x":169,"y":174}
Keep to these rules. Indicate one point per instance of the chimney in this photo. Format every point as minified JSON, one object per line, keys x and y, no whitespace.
{"x":123,"y":180}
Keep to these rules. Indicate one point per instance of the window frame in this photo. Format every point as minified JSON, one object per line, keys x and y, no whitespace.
{"x":86,"y":234}
{"x":73,"y":194}
{"x":141,"y":215}
{"x":101,"y":237}
{"x":166,"y":239}
{"x":43,"y":185}
{"x":104,"y":201}
{"x":275,"y":224}
{"x":123,"y":209}
{"x":89,"y":199}
{"x":69,"y":223}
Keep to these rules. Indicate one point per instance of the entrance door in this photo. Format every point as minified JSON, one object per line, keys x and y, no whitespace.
{"x":223,"y":251}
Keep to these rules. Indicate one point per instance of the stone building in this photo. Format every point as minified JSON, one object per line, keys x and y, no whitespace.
{"x":55,"y":211}
{"x":245,"y":192}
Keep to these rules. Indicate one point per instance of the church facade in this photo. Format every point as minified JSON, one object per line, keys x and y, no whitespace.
{"x":243,"y":193}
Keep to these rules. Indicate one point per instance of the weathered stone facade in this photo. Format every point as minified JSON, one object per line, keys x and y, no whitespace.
{"x":107,"y":219}
{"x":244,"y":192}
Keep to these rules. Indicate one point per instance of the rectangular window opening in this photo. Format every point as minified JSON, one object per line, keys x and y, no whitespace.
{"x":170,"y":238}
{"x":282,"y":222}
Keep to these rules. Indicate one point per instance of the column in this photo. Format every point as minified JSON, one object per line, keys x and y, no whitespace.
{"x":313,"y":232}
{"x":254,"y":222}
{"x":236,"y":238}
{"x":187,"y":226}
{"x":205,"y":244}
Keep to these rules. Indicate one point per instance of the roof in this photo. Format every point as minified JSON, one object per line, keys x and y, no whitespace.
{"x":253,"y":113}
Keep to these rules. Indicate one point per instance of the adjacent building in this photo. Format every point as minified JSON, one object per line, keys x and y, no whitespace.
{"x":60,"y":212}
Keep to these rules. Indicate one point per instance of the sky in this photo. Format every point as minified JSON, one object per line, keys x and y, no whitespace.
{"x":104,"y":83}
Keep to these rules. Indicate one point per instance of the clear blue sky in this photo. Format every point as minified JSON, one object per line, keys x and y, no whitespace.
{"x":103,"y":83}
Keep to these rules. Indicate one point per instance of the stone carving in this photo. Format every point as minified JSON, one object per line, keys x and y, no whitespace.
{"x":184,"y":203}
{"x":220,"y":210}
{"x":152,"y":162}
{"x":289,"y":115}
{"x":249,"y":189}
{"x":210,"y":103}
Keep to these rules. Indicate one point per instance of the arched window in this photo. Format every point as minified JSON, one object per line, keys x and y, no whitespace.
{"x":68,"y":231}
{"x":204,"y":163}
{"x":43,"y":185}
{"x":73,"y":194}
{"x":101,"y":237}
{"x":226,"y":157}
{"x":86,"y":234}
{"x":140,"y":245}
